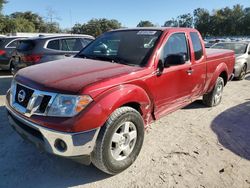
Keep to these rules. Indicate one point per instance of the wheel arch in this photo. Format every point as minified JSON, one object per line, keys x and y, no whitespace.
{"x":127,"y":95}
{"x":220,"y":71}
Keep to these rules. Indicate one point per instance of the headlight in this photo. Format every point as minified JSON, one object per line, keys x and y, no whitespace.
{"x":68,"y":105}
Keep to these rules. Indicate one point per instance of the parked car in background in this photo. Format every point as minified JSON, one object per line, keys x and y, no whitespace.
{"x":242,"y":51}
{"x":42,"y":49}
{"x":7,"y":46}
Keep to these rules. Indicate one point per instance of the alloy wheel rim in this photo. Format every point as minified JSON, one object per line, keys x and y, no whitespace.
{"x":123,"y":140}
{"x":218,"y":94}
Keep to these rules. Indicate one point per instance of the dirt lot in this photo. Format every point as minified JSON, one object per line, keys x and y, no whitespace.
{"x":193,"y":147}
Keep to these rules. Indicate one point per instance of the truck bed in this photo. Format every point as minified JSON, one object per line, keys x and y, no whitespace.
{"x":213,"y":54}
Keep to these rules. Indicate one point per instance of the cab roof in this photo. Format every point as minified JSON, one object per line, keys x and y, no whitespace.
{"x":158,"y":29}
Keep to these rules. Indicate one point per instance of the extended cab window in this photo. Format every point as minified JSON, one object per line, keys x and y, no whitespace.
{"x":198,"y":51}
{"x":176,"y":44}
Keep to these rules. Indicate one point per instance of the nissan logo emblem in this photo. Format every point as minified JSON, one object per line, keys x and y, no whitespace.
{"x":21,"y":96}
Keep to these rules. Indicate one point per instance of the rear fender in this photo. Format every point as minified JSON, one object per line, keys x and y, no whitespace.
{"x":219,"y":69}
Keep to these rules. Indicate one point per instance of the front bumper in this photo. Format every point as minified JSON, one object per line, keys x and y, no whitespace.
{"x":77,"y":144}
{"x":237,"y":70}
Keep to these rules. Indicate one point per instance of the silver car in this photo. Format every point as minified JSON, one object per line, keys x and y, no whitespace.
{"x":242,"y":52}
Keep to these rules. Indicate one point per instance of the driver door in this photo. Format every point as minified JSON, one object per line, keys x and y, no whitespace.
{"x":172,"y":86}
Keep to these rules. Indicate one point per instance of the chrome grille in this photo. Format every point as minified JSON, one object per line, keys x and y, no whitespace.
{"x":35,"y":102}
{"x":28,"y":95}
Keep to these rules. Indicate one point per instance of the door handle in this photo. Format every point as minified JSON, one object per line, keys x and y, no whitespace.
{"x":190,"y":71}
{"x":67,"y":55}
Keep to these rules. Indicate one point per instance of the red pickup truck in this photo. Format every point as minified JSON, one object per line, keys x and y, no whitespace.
{"x":95,"y":107}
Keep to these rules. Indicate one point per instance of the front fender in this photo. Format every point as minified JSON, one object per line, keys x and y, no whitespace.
{"x":116,"y":97}
{"x":106,"y":103}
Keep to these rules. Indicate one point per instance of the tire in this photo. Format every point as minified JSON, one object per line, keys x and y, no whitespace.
{"x":113,"y":152}
{"x":12,"y":68}
{"x":242,"y":73}
{"x":214,"y":97}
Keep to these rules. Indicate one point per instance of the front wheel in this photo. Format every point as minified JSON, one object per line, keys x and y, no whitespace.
{"x":119,"y":141}
{"x":214,"y":97}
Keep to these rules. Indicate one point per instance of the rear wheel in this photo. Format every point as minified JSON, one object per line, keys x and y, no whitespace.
{"x":243,"y":73}
{"x":12,"y":67}
{"x":214,"y":97}
{"x":119,"y":141}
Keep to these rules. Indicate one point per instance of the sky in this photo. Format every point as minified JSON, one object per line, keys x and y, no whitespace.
{"x":128,"y":12}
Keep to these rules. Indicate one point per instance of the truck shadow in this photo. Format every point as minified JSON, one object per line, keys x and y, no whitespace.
{"x":22,"y":164}
{"x":232,"y":128}
{"x":195,"y":105}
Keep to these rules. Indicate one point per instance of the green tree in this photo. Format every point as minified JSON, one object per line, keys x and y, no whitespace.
{"x":40,"y":25}
{"x":171,"y":23}
{"x":23,"y":25}
{"x":51,"y":27}
{"x":246,"y":22}
{"x":12,"y":25}
{"x":237,"y":20}
{"x":202,"y":21}
{"x":96,"y":27}
{"x":77,"y":29}
{"x":145,"y":23}
{"x":2,"y":2}
{"x":185,"y":20}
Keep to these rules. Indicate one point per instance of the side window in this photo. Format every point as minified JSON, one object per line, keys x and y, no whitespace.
{"x":86,"y":41}
{"x":176,"y":44}
{"x":73,"y":44}
{"x":13,"y":44}
{"x":54,"y":45}
{"x":64,"y":46}
{"x":198,"y":51}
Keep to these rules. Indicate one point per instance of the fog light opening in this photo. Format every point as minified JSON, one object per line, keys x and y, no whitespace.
{"x":60,"y":145}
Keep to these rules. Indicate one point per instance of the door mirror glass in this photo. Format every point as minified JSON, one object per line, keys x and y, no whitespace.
{"x":174,"y":59}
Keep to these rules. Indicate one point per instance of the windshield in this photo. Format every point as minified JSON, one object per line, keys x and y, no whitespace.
{"x":238,"y":48}
{"x":131,"y":47}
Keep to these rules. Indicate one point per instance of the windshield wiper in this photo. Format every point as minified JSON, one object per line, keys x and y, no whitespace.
{"x":118,"y":60}
{"x":107,"y":58}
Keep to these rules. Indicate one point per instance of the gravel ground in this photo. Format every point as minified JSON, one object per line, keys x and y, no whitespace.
{"x":192,"y":147}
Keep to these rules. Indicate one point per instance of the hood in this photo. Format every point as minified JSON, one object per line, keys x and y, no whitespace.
{"x":70,"y":75}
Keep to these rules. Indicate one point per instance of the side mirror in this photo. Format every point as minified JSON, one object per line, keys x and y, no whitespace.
{"x":174,"y":59}
{"x":249,"y":53}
